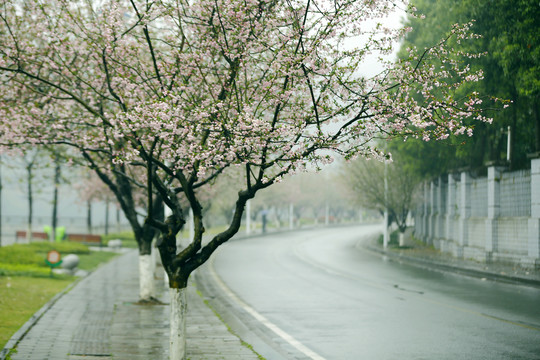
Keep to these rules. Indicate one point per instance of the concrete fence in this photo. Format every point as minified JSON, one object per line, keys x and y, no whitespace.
{"x":487,"y":219}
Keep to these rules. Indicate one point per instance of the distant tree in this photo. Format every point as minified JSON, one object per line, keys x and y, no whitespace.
{"x":33,"y":161}
{"x":36,"y":167}
{"x":366,"y":178}
{"x":318,"y":193}
{"x":60,"y":158}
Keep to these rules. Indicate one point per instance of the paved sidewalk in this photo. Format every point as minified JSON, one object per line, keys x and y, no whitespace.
{"x":99,"y":319}
{"x":428,"y":257}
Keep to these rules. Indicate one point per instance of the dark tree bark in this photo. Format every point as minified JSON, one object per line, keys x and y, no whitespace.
{"x":29,"y":177}
{"x":89,"y":216}
{"x":57,"y":174}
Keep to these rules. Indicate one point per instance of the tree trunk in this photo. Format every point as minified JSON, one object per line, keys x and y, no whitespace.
{"x":54,"y":215}
{"x":177,"y":341}
{"x":30,"y":204}
{"x":146,"y":278}
{"x":147,"y":291}
{"x":179,"y":266}
{"x":401,"y":239}
{"x":55,"y":199}
{"x":89,"y":216}
{"x":117,"y":220}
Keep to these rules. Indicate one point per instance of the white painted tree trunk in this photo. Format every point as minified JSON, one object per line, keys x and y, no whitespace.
{"x":165,"y":278}
{"x":146,"y":277}
{"x":191,"y":227}
{"x":248,"y":217}
{"x":177,"y":344}
{"x":156,"y":259}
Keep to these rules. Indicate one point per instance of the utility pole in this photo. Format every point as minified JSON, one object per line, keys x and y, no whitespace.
{"x":509,"y":144}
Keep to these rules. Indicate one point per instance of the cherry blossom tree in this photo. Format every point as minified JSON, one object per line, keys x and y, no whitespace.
{"x":165,"y":96}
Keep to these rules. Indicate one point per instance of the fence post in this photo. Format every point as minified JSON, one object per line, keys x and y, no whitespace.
{"x":464,"y":213}
{"x":494,"y":210}
{"x":533,"y":258}
{"x":425,"y":215}
{"x":432,"y":214}
{"x":438,"y":210}
{"x":450,"y":208}
{"x":418,"y":215}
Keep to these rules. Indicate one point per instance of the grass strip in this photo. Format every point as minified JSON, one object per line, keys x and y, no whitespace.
{"x":21,"y":297}
{"x":26,"y":284}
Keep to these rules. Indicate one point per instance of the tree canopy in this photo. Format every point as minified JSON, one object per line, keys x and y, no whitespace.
{"x":382,"y":186}
{"x":166,"y":96}
{"x":163,"y":97}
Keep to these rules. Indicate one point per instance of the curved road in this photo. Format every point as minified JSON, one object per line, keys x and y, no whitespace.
{"x":315,"y":294}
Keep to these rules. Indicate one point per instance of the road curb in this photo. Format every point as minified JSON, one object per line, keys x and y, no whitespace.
{"x":467,"y":271}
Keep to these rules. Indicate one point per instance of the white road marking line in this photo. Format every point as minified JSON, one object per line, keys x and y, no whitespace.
{"x":263,"y":320}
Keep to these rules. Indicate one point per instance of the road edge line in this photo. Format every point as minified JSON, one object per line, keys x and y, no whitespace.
{"x":262,"y":319}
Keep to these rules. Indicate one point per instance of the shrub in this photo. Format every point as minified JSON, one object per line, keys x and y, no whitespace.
{"x":62,"y":247}
{"x":35,"y":253}
{"x":9,"y":269}
{"x":125,"y":235}
{"x":21,"y":254}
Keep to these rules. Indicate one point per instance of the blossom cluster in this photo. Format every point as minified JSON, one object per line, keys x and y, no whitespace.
{"x":196,"y":87}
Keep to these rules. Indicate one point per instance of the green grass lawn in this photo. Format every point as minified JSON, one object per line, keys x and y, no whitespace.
{"x":92,"y":260}
{"x":25,"y":282}
{"x":21,"y":297}
{"x":127,"y":237}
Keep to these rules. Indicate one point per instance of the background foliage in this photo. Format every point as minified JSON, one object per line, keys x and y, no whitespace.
{"x":510,"y":36}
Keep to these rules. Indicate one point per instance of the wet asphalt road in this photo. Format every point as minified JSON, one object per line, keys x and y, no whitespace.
{"x":319,"y":291}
